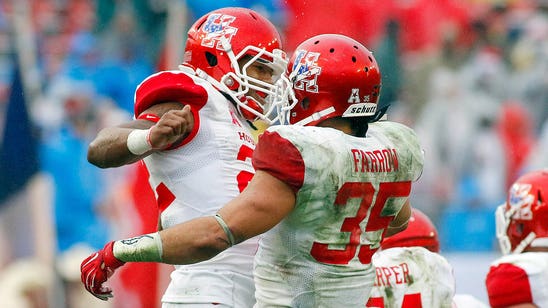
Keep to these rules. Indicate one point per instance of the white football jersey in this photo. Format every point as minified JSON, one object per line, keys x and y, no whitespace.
{"x":211,"y":168}
{"x":348,"y":190}
{"x":412,"y":277}
{"x":518,"y":278}
{"x":467,"y":301}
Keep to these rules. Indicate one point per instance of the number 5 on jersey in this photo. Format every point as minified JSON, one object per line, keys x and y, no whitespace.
{"x":364,"y":191}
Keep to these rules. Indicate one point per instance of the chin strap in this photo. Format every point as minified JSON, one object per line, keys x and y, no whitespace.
{"x":223,"y":88}
{"x":316,"y":116}
{"x":526,"y":241}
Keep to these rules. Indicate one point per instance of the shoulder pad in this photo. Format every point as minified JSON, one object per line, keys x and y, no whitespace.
{"x":169,"y":86}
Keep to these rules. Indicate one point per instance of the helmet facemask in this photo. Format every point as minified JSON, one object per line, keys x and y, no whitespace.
{"x":272,"y":95}
{"x":502,"y":221}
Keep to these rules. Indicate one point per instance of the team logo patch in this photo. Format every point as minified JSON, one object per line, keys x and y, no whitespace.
{"x":521,"y":197}
{"x":217,"y":26}
{"x":305,"y":71}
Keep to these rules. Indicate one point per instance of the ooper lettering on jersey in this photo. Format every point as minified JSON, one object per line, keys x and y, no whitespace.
{"x":397,"y":274}
{"x":385,"y":160}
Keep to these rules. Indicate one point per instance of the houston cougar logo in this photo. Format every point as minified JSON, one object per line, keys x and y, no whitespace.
{"x":520,"y":196}
{"x":305,"y":71}
{"x":217,"y":26}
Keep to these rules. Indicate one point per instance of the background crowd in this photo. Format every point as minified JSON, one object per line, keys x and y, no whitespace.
{"x":469,"y":76}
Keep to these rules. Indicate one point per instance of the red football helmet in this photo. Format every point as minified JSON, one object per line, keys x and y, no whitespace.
{"x":522,"y":221}
{"x":219,"y":39}
{"x":420,"y":232}
{"x":332,"y":75}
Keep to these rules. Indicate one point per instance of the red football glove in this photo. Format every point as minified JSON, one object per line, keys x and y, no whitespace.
{"x":97,"y":269}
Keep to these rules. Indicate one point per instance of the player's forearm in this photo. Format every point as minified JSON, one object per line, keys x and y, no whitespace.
{"x":391,"y":230}
{"x":110,"y":149}
{"x":194,"y":241}
{"x":191,"y":242}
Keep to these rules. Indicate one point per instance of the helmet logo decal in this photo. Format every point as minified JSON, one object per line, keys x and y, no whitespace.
{"x":305,"y":71}
{"x":216,"y":27}
{"x":355,"y":97}
{"x":520,"y":196}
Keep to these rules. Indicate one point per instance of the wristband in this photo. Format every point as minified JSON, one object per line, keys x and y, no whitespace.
{"x":138,"y":141}
{"x":143,"y":248}
{"x":226,"y":229}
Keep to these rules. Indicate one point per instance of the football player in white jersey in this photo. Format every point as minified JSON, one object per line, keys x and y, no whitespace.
{"x":410,"y":271}
{"x":325,"y":191}
{"x":520,"y":277}
{"x":192,"y":130}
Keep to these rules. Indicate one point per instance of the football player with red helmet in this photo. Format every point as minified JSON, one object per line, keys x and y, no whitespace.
{"x":520,"y":277}
{"x":193,"y":131}
{"x":420,"y":232}
{"x":325,"y":191}
{"x":410,"y":270}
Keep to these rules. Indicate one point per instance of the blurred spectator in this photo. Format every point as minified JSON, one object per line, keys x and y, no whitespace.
{"x":444,"y":127}
{"x":388,"y":56}
{"x":343,"y":17}
{"x":125,"y":61}
{"x":528,"y":58}
{"x":539,"y":155}
{"x":271,"y":9}
{"x":27,"y":283}
{"x":114,"y":60}
{"x":78,"y":185}
{"x":485,"y":169}
{"x":515,"y":128}
{"x":84,"y":198}
{"x":365,"y":20}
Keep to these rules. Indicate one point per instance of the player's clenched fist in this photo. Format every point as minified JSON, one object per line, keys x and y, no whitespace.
{"x":97,"y":269}
{"x":172,"y":127}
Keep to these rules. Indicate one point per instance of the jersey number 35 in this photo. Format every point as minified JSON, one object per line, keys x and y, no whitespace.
{"x":364,"y":191}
